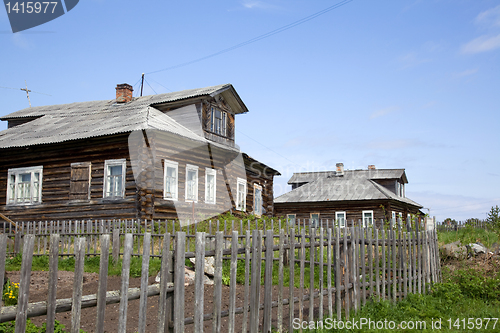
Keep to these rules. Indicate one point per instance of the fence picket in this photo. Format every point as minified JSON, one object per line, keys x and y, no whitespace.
{"x":52,"y":290}
{"x":232,"y":280}
{"x":180,"y":252}
{"x":165,"y":312}
{"x":127,"y":253}
{"x":199,"y":290}
{"x":280,"y":275}
{"x":24,"y":283}
{"x":146,"y":247}
{"x":78,"y":284}
{"x":103,"y":284}
{"x":247,"y":281}
{"x":268,"y":281}
{"x":291,"y":282}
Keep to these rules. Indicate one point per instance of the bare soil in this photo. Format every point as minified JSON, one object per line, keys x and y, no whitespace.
{"x":39,"y":289}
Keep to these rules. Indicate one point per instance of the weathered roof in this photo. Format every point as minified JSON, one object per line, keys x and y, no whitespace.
{"x":59,"y":123}
{"x":307,"y":177}
{"x":354,"y":185}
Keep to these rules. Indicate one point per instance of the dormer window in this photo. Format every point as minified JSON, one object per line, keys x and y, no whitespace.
{"x":218,"y":121}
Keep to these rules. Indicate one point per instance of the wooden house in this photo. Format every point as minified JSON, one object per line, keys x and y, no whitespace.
{"x":348,"y":197}
{"x":154,"y":157}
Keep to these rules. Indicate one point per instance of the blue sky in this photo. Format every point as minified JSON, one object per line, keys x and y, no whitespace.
{"x":398,"y":84}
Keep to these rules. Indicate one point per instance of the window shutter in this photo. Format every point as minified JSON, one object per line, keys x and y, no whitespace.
{"x":230,"y":126}
{"x":80,"y":181}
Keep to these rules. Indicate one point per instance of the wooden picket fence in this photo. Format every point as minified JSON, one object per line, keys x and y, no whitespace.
{"x":347,"y":268}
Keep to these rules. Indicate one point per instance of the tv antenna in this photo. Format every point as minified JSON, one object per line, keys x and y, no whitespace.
{"x":27,"y":91}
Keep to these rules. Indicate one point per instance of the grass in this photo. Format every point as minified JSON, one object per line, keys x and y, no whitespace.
{"x":464,"y":294}
{"x":468,"y":235}
{"x":91,"y":265}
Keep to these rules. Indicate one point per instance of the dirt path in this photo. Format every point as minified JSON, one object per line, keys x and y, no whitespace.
{"x":40,"y":282}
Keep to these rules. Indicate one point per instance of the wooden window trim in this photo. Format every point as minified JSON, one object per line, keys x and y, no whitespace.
{"x":337,"y":218}
{"x":212,"y":172}
{"x":363,"y":218}
{"x":241,"y":181}
{"x":174,"y":165}
{"x":190,"y":167}
{"x":257,"y":210}
{"x":311,"y":218}
{"x":123,"y":163}
{"x":75,"y":195}
{"x":18,"y":171}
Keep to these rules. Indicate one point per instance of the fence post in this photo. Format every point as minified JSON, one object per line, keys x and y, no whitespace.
{"x":103,"y":283}
{"x":216,"y":319}
{"x":77,"y":284}
{"x":24,"y":284}
{"x":3,"y":250}
{"x":180,"y":252}
{"x":116,"y":245}
{"x":268,"y":281}
{"x":164,"y":310}
{"x":199,"y":287}
{"x":146,"y":247}
{"x":127,"y":252}
{"x":52,"y":292}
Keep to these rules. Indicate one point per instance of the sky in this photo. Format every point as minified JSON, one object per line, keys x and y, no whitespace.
{"x":394,"y":83}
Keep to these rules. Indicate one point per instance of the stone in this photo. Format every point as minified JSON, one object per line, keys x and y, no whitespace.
{"x":477,"y":248}
{"x":209,"y":265}
{"x":455,"y":250}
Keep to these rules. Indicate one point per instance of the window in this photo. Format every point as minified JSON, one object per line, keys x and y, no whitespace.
{"x":24,"y":185}
{"x":171,"y":180}
{"x":218,"y":121}
{"x":241,"y":199}
{"x":257,"y":200}
{"x":114,"y":179}
{"x":191,"y":183}
{"x":340,"y":219}
{"x":291,"y":219}
{"x":367,"y":218}
{"x":400,"y":219}
{"x":79,"y":187}
{"x":314,"y":220}
{"x":210,"y":185}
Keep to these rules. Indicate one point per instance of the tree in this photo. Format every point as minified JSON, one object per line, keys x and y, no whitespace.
{"x":450,"y":222}
{"x":494,"y":216}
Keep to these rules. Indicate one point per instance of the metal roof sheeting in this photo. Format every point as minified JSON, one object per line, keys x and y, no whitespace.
{"x":354,"y":185}
{"x":65,"y":122}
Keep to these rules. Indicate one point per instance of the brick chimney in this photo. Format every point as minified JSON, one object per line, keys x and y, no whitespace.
{"x":124,"y":93}
{"x":340,"y":169}
{"x":371,"y":167}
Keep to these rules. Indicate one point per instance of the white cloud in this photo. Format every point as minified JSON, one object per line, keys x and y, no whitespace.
{"x":383,"y":112}
{"x":490,"y":17}
{"x":482,"y":44}
{"x":412,"y":59}
{"x":21,"y":41}
{"x":467,"y":72}
{"x":251,"y":4}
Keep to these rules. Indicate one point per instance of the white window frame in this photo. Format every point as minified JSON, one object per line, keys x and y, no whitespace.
{"x":363,"y":217}
{"x":241,"y":205}
{"x":257,"y":208}
{"x":292,"y":218}
{"x":341,"y":225}
{"x":175,"y":193}
{"x":190,"y":167}
{"x":316,"y":225}
{"x":109,"y":163}
{"x":13,"y":191}
{"x":222,"y":129}
{"x":210,"y":172}
{"x":400,"y":219}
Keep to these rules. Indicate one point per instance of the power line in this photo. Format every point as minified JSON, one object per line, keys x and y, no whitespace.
{"x":270,"y":149}
{"x":255,"y":39}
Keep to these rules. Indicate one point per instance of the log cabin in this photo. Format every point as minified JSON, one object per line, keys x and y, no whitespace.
{"x":348,"y":197}
{"x":165,"y":156}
